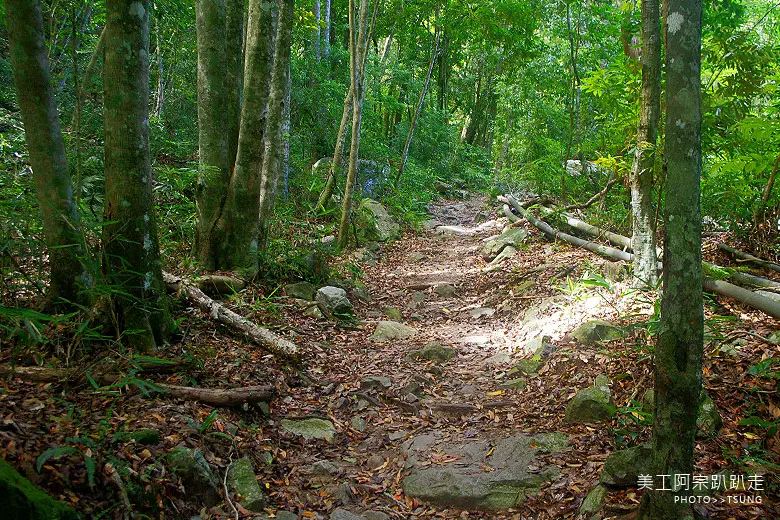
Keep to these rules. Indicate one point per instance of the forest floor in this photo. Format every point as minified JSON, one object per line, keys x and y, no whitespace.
{"x":488,"y":320}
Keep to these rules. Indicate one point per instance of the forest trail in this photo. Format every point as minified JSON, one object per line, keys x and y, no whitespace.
{"x":480,"y":429}
{"x":420,"y":435}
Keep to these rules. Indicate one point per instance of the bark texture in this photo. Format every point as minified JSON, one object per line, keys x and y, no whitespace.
{"x":274,"y":148}
{"x":53,"y":188}
{"x":643,"y":239}
{"x":242,"y":207}
{"x":678,"y":356}
{"x":214,"y":169}
{"x":131,"y":251}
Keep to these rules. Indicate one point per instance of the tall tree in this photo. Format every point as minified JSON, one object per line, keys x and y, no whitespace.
{"x":220,"y":44}
{"x":53,"y":189}
{"x":357,"y":47}
{"x":131,"y":250}
{"x":214,"y":166}
{"x":241,"y":211}
{"x":678,"y":355}
{"x":643,"y":239}
{"x":274,"y":147}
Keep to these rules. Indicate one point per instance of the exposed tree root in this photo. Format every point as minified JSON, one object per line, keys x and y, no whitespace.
{"x":720,"y":287}
{"x":273,"y":343}
{"x":212,"y":396}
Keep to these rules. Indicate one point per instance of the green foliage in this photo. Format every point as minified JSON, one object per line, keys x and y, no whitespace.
{"x":632,"y":422}
{"x":58,"y":451}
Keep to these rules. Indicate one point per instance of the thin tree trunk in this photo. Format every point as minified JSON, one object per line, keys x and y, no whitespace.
{"x":130,"y":245}
{"x":678,"y":354}
{"x":760,"y":214}
{"x":316,"y":37}
{"x":273,"y":138}
{"x":326,"y":36}
{"x":214,"y":167}
{"x":386,"y":48}
{"x":53,"y":190}
{"x":160,"y":98}
{"x":240,"y":216}
{"x":357,"y":44}
{"x":338,"y":153}
{"x":284,"y":182}
{"x":88,"y":72}
{"x":642,"y":170}
{"x":418,"y":109}
{"x":341,"y":136}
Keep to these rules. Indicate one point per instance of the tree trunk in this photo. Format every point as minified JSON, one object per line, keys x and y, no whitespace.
{"x":273,"y":139}
{"x":284,"y":181}
{"x":53,"y":189}
{"x":234,"y":75}
{"x":338,"y":153}
{"x":357,"y":44}
{"x":326,"y":36}
{"x":678,"y":355}
{"x":316,"y":36}
{"x":214,"y":167}
{"x":341,"y":136}
{"x":642,"y":170}
{"x":759,"y":216}
{"x":418,"y":109}
{"x":89,"y":71}
{"x":159,"y":101}
{"x":131,"y":250}
{"x":240,"y":216}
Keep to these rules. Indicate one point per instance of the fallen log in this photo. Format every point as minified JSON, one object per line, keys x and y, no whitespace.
{"x":748,"y":257}
{"x":212,"y":396}
{"x":597,"y":232}
{"x":273,"y":343}
{"x":610,"y":252}
{"x":733,"y":276}
{"x":762,"y":303}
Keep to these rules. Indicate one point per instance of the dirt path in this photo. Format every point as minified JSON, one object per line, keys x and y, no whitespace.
{"x":479,"y":424}
{"x":401,"y":415}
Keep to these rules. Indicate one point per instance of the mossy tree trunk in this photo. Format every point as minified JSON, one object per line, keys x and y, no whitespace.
{"x":357,"y":44}
{"x":213,"y":166}
{"x":130,"y":245}
{"x":274,"y":147}
{"x":220,"y":36}
{"x":678,"y":356}
{"x":643,"y":240}
{"x":241,"y":212}
{"x":53,"y":188}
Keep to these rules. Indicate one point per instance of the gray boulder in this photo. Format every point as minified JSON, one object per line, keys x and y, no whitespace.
{"x":596,"y":331}
{"x":335,"y":300}
{"x":371,"y":382}
{"x":310,"y":428}
{"x":435,"y":352}
{"x":464,"y":483}
{"x":300,"y":290}
{"x":622,"y":468}
{"x":390,"y":330}
{"x":241,"y":479}
{"x":593,"y":404}
{"x":445,"y":290}
{"x":511,"y":237}
{"x":22,"y":500}
{"x":196,"y":474}
{"x":375,"y":223}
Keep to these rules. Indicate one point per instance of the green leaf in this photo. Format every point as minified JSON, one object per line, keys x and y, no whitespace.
{"x":54,"y":452}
